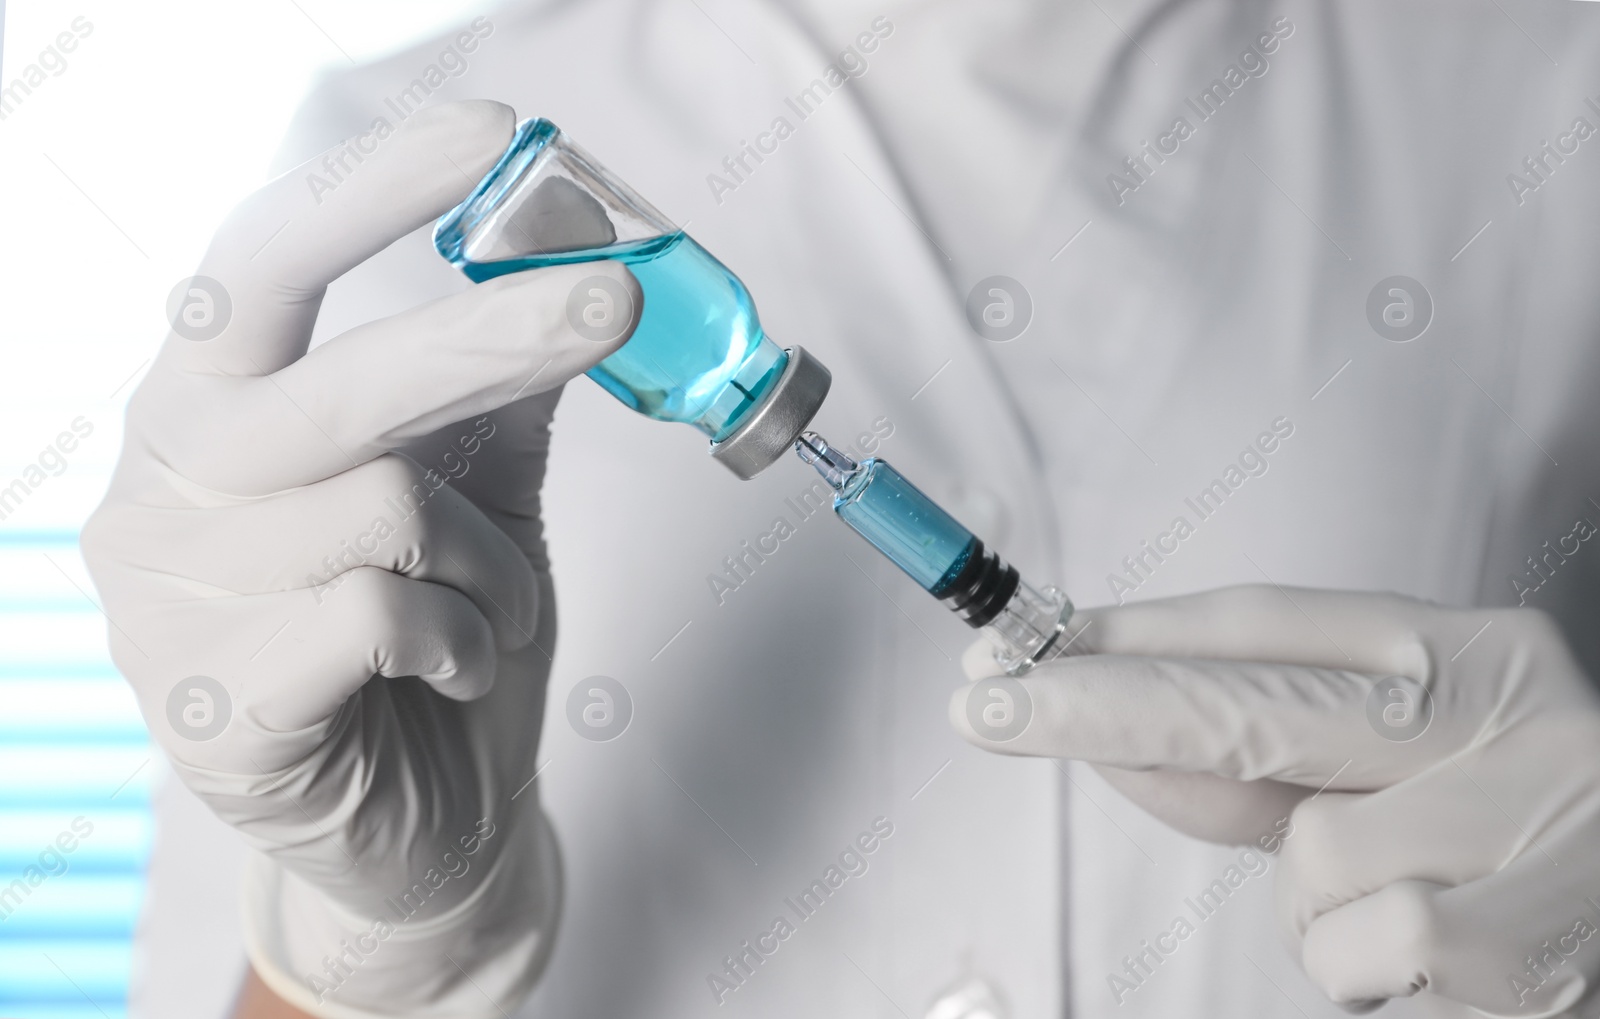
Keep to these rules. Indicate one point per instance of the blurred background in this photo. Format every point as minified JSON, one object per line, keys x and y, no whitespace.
{"x":118,"y":164}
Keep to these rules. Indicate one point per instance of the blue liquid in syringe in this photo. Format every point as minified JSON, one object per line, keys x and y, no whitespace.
{"x":911,"y":529}
{"x":696,"y":313}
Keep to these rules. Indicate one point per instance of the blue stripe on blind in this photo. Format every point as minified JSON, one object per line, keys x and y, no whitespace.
{"x":75,"y":768}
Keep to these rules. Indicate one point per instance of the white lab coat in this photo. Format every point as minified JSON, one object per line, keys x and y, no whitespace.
{"x":1221,"y":296}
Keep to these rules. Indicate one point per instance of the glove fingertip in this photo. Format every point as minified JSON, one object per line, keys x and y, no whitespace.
{"x":463,"y":683}
{"x":977,"y":661}
{"x":473,"y":132}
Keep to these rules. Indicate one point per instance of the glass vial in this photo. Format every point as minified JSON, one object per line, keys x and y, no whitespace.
{"x":698,"y":355}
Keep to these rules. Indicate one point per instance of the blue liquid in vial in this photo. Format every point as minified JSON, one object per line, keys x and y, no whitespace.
{"x":698,"y":355}
{"x":905,"y":525}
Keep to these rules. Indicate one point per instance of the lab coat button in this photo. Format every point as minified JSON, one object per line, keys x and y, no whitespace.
{"x":972,"y":998}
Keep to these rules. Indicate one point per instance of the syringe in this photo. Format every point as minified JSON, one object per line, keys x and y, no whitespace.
{"x":1025,"y":625}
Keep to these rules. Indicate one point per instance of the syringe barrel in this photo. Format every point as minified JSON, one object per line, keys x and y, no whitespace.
{"x":949,"y":562}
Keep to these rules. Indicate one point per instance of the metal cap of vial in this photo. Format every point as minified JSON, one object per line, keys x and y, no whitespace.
{"x":770,"y":433}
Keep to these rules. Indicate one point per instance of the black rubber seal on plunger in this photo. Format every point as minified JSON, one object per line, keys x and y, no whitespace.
{"x":982,"y":588}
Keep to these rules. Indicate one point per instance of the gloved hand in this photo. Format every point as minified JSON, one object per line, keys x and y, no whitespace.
{"x":344,"y":648}
{"x":1461,"y":861}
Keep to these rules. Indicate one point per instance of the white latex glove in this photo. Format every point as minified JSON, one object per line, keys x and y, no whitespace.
{"x":1440,"y":864}
{"x":402,"y":865}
